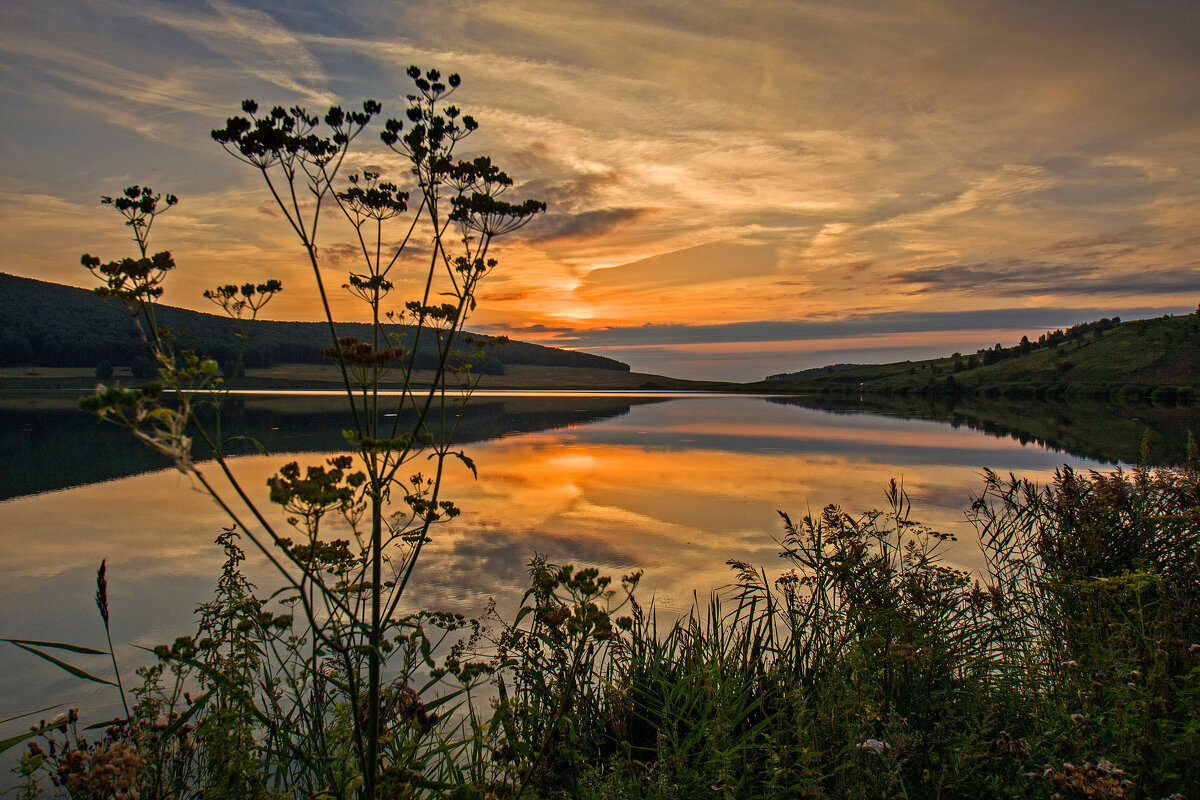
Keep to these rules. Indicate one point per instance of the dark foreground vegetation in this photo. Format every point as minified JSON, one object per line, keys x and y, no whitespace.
{"x":1134,"y":361}
{"x":870,"y":668}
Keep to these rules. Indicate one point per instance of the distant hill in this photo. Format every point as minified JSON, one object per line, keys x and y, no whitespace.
{"x":51,"y":325}
{"x":1142,"y":359}
{"x":804,"y":373}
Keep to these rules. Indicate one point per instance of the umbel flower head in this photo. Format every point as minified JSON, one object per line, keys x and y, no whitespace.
{"x":350,"y":350}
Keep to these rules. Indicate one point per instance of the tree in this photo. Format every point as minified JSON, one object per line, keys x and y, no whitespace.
{"x":141,"y":367}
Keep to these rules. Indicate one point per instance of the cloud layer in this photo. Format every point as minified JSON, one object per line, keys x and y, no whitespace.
{"x":708,"y":168}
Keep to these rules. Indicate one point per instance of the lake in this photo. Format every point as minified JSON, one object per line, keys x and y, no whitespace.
{"x":670,"y":484}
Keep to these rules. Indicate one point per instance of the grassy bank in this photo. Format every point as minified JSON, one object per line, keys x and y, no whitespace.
{"x":868,"y":669}
{"x":1140,"y":360}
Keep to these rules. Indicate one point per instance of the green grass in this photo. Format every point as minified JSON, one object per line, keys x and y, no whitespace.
{"x":1142,"y":359}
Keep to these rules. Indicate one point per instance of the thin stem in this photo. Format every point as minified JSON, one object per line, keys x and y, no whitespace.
{"x":117,"y":672}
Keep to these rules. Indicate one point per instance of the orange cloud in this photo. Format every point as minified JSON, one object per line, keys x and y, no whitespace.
{"x":786,"y":162}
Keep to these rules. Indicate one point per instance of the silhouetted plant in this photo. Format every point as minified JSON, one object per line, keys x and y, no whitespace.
{"x":457,"y":211}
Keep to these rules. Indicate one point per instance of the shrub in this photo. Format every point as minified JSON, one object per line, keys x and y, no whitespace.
{"x":143,"y":367}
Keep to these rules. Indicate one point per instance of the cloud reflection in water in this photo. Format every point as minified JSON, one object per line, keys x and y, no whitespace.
{"x":675,"y":488}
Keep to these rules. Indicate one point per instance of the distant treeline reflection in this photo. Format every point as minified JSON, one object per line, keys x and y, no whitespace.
{"x":45,"y":449}
{"x":1101,"y":431}
{"x":57,"y":447}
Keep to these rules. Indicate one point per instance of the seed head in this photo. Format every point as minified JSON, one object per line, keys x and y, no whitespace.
{"x":102,"y":591}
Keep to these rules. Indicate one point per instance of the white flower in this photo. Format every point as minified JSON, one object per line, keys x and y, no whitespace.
{"x":874,"y":745}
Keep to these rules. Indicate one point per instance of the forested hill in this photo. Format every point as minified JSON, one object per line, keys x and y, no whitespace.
{"x":51,"y":325}
{"x":1155,"y":358}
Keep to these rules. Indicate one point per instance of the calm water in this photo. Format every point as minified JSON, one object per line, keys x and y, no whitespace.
{"x":675,"y":486}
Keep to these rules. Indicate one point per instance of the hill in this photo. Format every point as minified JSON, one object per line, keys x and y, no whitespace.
{"x":50,"y":325}
{"x":1148,"y":359}
{"x":804,"y":373}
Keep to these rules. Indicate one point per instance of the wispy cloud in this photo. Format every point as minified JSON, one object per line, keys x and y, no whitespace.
{"x":250,"y":44}
{"x":720,"y":164}
{"x":1021,"y":277}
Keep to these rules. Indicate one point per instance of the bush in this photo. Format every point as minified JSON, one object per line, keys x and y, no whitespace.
{"x":143,"y":367}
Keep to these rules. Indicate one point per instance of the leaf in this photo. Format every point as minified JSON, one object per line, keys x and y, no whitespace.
{"x":99,"y":725}
{"x":425,"y":650}
{"x":464,"y":458}
{"x":76,"y":671}
{"x":29,"y":714}
{"x":74,"y":648}
{"x":191,"y":712}
{"x":441,"y":700}
{"x":13,"y":741}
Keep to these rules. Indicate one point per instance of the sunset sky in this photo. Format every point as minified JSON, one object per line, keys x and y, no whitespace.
{"x":735,"y":188}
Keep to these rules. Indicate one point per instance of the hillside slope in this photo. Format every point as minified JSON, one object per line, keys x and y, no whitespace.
{"x":51,"y":325}
{"x":1140,"y":359}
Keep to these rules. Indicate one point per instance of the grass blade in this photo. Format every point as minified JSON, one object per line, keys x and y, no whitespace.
{"x":71,"y":668}
{"x":13,"y":741}
{"x":74,"y":648}
{"x":29,"y":713}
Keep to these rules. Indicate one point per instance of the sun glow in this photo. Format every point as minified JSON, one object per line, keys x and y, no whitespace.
{"x":987,"y":175}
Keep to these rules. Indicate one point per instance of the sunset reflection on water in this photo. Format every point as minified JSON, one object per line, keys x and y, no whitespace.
{"x":674,"y":488}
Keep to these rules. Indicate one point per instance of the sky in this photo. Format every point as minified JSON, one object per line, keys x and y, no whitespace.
{"x":735,"y":188}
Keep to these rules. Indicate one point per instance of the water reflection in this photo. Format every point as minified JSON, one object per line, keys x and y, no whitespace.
{"x":46,"y":443}
{"x":1108,"y":432}
{"x":674,"y":487}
